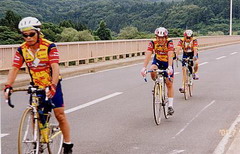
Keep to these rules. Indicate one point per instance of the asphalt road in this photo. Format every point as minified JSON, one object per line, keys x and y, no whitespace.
{"x":110,"y":112}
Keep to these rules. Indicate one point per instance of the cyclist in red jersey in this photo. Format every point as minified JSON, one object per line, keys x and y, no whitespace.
{"x":41,"y":57}
{"x":163,"y":50}
{"x":189,"y":46}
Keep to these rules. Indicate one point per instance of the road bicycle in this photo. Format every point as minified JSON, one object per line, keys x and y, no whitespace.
{"x":160,"y":101}
{"x":38,"y":133}
{"x":187,"y":66}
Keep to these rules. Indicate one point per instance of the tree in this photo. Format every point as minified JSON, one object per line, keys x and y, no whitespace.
{"x":128,"y":32}
{"x":8,"y":36}
{"x":11,"y":20}
{"x":67,"y":24}
{"x":70,"y":35}
{"x":67,"y":35}
{"x":103,"y":32}
{"x":84,"y":35}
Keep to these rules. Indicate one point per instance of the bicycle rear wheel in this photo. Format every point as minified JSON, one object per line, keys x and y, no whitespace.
{"x":28,"y":135}
{"x":186,"y":85}
{"x":55,"y":138}
{"x":157,"y":103}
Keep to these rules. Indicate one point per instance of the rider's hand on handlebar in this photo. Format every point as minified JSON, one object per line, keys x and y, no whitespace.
{"x":143,"y":71}
{"x":7,"y":91}
{"x":52,"y":90}
{"x":170,"y":70}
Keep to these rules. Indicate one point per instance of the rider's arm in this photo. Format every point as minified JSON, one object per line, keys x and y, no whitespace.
{"x":170,"y":53}
{"x":147,"y":58}
{"x":170,"y":58}
{"x":54,"y":60}
{"x":17,"y":64}
{"x":12,"y":76}
{"x":148,"y":54}
{"x":55,"y":73}
{"x":195,"y":47}
{"x":179,"y":47}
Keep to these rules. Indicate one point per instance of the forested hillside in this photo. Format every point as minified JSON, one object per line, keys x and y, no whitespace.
{"x":205,"y":17}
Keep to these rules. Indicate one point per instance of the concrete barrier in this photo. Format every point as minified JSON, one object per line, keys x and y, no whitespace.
{"x":75,"y":53}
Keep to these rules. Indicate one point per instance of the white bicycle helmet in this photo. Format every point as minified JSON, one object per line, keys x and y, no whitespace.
{"x":161,"y":32}
{"x":29,"y":23}
{"x":188,"y":33}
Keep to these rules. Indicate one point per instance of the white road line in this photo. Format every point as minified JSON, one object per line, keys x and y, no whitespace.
{"x":202,"y":63}
{"x":92,"y":102}
{"x":2,"y":135}
{"x":193,"y":119}
{"x":176,"y":151}
{"x":176,"y":73}
{"x":233,"y":53}
{"x":221,"y":57}
{"x":231,"y":131}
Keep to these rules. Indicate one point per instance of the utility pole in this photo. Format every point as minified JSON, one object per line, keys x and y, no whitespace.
{"x":230,"y":27}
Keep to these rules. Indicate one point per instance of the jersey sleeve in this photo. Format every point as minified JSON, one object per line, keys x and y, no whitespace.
{"x":195,"y":43}
{"x":150,"y":46}
{"x":180,"y":43}
{"x":170,"y":46}
{"x":18,"y":59}
{"x":53,"y":54}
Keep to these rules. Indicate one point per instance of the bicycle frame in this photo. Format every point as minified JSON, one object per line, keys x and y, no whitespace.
{"x":31,"y":135}
{"x":188,"y":76}
{"x":159,"y":96}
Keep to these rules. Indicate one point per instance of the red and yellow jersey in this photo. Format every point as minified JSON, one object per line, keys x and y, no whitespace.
{"x":161,"y":51}
{"x":188,"y":46}
{"x":39,"y":64}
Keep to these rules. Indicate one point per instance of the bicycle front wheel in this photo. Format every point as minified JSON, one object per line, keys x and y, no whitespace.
{"x":55,"y":138}
{"x":186,"y":85}
{"x":164,"y":101}
{"x":157,"y":103}
{"x":190,"y":85}
{"x":28,"y":135}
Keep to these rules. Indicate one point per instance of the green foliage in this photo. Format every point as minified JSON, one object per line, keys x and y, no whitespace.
{"x":10,"y":20}
{"x":103,"y":32}
{"x":128,"y":32}
{"x":8,"y":36}
{"x":71,"y":35}
{"x":84,"y":35}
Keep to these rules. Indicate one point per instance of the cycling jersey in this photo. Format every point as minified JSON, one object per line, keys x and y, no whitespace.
{"x":161,"y":51}
{"x":188,"y":46}
{"x":39,"y":64}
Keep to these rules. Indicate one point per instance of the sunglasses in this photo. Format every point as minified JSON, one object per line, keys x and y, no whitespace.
{"x":28,"y":35}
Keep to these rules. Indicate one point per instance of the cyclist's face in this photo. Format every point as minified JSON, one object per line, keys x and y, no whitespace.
{"x":30,"y":37}
{"x":161,"y":40}
{"x":188,"y":39}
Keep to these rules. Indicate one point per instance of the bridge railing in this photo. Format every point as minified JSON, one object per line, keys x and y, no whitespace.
{"x":75,"y":53}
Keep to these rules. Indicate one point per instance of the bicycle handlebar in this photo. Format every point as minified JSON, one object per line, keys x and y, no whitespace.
{"x":29,"y":90}
{"x":159,"y":71}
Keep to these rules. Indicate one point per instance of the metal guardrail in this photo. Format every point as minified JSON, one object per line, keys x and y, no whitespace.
{"x":95,"y":51}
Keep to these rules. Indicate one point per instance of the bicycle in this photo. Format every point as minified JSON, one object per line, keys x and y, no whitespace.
{"x":36,"y":131}
{"x":160,"y":101}
{"x":188,"y":80}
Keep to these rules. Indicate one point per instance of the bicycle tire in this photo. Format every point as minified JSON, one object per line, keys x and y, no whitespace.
{"x":190,"y":85}
{"x":27,"y":130}
{"x":157,"y":103}
{"x":55,"y":138}
{"x":165,"y":101}
{"x":185,"y":85}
